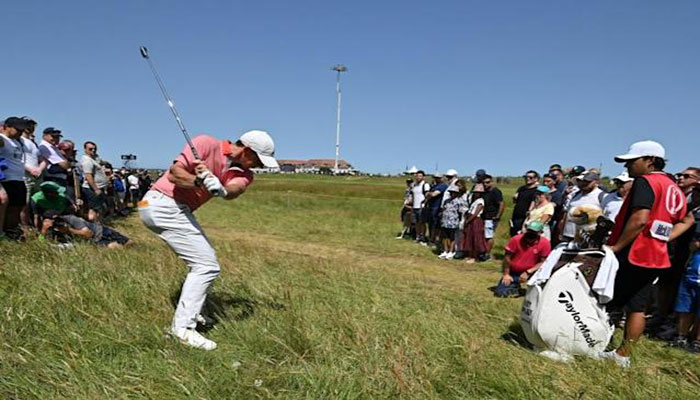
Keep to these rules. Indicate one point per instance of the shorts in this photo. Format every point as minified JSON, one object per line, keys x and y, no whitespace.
{"x":688,"y":299}
{"x":490,"y":226}
{"x":121,"y":196}
{"x":94,"y":201}
{"x":417,"y":215}
{"x":633,"y":286}
{"x":32,"y":186}
{"x":16,"y":193}
{"x":448,"y":233}
{"x":111,"y":236}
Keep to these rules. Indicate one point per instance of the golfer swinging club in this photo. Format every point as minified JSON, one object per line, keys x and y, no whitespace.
{"x":218,"y":168}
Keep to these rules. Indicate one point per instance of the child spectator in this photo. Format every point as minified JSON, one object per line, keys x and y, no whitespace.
{"x":450,"y":222}
{"x":525,"y":253}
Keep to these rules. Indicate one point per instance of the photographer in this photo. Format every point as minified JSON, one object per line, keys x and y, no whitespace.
{"x":69,"y":226}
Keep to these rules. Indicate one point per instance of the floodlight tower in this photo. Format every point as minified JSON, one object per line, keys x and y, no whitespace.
{"x":338,"y":69}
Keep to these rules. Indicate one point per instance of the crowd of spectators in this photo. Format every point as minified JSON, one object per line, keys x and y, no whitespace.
{"x":48,"y":192}
{"x":656,"y":237}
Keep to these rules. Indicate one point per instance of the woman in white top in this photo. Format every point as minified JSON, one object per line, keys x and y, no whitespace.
{"x":474,"y":241}
{"x":542,"y":211}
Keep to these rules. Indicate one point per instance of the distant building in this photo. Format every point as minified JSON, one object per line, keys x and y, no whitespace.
{"x":315,"y":166}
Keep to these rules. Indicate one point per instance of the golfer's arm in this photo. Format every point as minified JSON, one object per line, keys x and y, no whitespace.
{"x":636,"y":223}
{"x":235,"y":187}
{"x":180,"y":177}
{"x":680,"y":228}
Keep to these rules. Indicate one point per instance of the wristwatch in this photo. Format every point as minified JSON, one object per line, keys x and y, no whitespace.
{"x":198,"y":181}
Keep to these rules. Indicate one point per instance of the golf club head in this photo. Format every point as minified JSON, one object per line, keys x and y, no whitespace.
{"x":144,"y":51}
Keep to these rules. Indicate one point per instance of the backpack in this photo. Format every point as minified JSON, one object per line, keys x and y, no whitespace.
{"x":563,"y":317}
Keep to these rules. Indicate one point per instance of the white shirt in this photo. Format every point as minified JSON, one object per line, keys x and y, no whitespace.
{"x":580,"y":199}
{"x":13,"y":154}
{"x":419,"y":190}
{"x":476,"y":203}
{"x":611,"y":204}
{"x":31,"y":156}
{"x":51,"y":154}
{"x":452,"y":184}
{"x":133,"y":181}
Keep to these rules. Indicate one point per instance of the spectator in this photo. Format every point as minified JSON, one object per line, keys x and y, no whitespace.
{"x":479,"y":176}
{"x":433,"y":200}
{"x":71,"y":227}
{"x":95,"y":181}
{"x":418,"y":191}
{"x":688,"y":306}
{"x":493,"y":210}
{"x":51,"y":197}
{"x":34,"y":165}
{"x":542,"y":211}
{"x":644,"y":226}
{"x":474,"y":243}
{"x":588,"y":193}
{"x":523,"y":200}
{"x":464,"y":207}
{"x":451,"y":182}
{"x":119,"y":190}
{"x":133,"y":182}
{"x":612,"y":202}
{"x":144,"y":183}
{"x":58,"y":165}
{"x":406,"y":210}
{"x":450,"y":221}
{"x":67,"y":150}
{"x":525,"y":253}
{"x":13,"y":182}
{"x":558,"y":199}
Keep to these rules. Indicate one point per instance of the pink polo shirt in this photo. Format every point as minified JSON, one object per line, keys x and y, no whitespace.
{"x":214,"y":154}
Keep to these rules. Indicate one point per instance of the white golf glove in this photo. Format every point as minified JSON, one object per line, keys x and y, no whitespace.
{"x":214,"y":186}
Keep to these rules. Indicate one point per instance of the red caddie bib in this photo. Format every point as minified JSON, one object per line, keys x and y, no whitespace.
{"x":650,"y":248}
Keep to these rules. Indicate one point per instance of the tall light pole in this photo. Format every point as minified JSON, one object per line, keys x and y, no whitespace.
{"x":338,"y":69}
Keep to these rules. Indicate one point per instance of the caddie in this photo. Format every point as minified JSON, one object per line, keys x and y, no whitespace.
{"x":223,"y":171}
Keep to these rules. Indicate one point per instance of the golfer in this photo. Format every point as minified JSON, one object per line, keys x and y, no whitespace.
{"x":223,"y":171}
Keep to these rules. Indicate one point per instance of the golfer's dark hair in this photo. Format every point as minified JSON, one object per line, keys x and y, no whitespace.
{"x":537,"y":174}
{"x":239,"y":143}
{"x":89,"y":142}
{"x":658,"y":163}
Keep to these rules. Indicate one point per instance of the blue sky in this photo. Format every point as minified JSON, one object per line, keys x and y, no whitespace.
{"x":501,"y":85}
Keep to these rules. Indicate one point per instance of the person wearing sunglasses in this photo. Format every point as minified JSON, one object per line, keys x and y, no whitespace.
{"x":522,"y":200}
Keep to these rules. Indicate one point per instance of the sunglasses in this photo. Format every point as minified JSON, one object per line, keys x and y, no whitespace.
{"x":91,"y":148}
{"x":530,"y":177}
{"x":686,"y":176}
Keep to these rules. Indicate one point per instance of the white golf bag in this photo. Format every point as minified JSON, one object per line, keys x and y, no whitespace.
{"x":563,"y":313}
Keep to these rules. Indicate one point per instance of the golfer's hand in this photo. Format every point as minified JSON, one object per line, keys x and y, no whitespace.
{"x":201,"y":170}
{"x":214,"y":186}
{"x":507,"y":280}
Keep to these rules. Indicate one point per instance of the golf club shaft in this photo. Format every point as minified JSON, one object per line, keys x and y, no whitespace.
{"x":171,"y":105}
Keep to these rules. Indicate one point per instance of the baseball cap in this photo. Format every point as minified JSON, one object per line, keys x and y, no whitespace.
{"x":645,"y":148}
{"x":588,"y":176}
{"x":53,"y":186}
{"x":15,"y":122}
{"x":577,"y":170}
{"x":543,"y":189}
{"x":535,"y":226}
{"x":437,"y":175}
{"x":261,"y":143}
{"x":480,"y":172}
{"x":623,"y":177}
{"x":451,"y":172}
{"x":52,"y":131}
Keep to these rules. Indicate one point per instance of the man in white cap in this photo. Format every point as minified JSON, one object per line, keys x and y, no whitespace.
{"x":612,"y":201}
{"x":451,"y":182}
{"x":223,"y":171}
{"x":652,"y":215}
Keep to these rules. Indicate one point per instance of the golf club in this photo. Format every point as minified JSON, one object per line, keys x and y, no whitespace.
{"x":144,"y":54}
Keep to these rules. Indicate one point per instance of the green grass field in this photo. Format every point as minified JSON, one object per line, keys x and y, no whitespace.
{"x":316,"y":300}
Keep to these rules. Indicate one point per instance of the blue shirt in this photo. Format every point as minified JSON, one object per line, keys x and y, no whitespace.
{"x":434,"y":202}
{"x":692,"y":273}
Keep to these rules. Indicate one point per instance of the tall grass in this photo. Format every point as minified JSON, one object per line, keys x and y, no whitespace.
{"x":315,"y":300}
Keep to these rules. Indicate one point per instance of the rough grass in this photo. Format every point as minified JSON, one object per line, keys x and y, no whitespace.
{"x":316,"y":300}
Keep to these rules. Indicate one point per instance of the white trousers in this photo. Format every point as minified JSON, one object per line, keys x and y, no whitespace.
{"x":176,"y":225}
